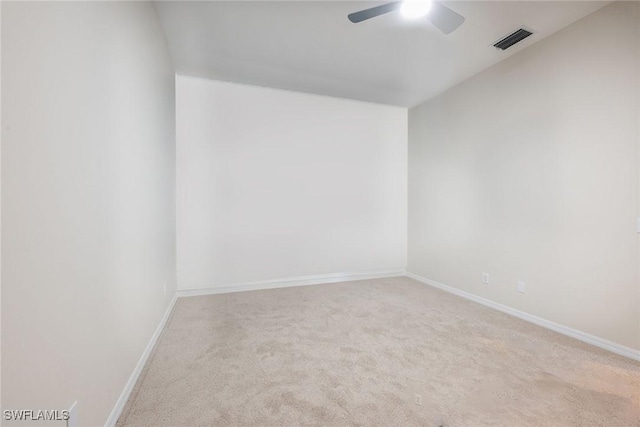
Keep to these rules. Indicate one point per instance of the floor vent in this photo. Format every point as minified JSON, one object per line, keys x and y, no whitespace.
{"x":513,"y":38}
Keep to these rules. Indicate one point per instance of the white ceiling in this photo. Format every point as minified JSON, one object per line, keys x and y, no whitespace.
{"x":310,"y":46}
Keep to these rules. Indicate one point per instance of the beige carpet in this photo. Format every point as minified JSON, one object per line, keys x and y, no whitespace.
{"x":357,"y":353}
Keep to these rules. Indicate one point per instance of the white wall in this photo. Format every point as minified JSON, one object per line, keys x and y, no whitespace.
{"x":275,"y":184}
{"x":529,"y":171}
{"x":88,"y":200}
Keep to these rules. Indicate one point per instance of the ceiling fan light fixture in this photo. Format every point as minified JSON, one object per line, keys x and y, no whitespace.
{"x":414,"y":9}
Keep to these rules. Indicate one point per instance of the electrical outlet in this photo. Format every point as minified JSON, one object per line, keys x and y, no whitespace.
{"x":73,"y":415}
{"x":418,"y":399}
{"x":522,"y":287}
{"x":485,"y":278}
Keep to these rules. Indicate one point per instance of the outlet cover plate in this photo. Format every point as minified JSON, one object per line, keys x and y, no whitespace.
{"x":73,"y":415}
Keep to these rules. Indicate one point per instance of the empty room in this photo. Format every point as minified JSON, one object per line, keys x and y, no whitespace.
{"x":320,"y":213}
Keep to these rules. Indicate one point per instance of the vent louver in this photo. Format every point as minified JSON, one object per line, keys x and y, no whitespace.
{"x":513,"y":38}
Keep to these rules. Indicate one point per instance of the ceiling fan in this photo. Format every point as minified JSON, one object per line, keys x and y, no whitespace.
{"x":443,"y":18}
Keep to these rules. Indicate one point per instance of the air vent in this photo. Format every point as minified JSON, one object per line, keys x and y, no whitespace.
{"x":513,"y":38}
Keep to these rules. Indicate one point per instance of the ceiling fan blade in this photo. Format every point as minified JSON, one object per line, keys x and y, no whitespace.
{"x":363,"y":15}
{"x":445,"y":19}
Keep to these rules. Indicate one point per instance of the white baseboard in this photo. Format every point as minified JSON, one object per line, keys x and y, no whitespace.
{"x":248,"y":286}
{"x":565,"y":330}
{"x":291,"y":282}
{"x":344,"y":277}
{"x":128,"y":388}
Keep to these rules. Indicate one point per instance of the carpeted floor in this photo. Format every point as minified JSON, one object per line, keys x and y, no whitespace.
{"x":357,"y":353}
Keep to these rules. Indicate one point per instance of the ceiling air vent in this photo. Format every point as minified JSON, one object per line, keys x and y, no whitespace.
{"x":513,"y":38}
